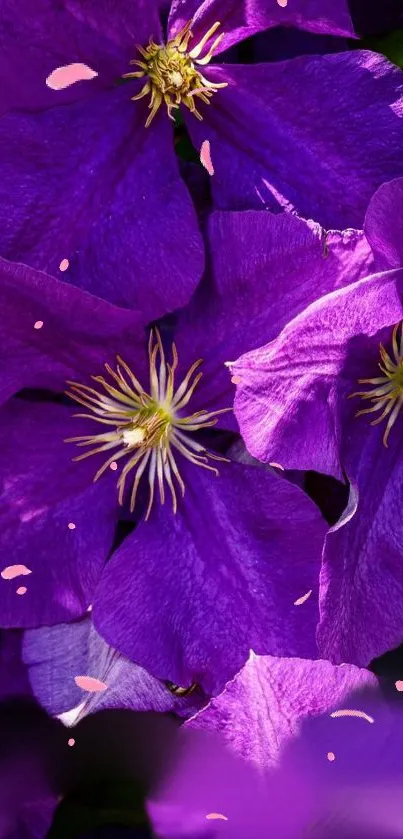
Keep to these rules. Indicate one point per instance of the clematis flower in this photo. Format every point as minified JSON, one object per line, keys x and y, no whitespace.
{"x":83,"y":181}
{"x":326,"y":394}
{"x":215,"y":569}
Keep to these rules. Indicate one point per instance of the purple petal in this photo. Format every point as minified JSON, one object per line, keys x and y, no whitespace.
{"x":242,"y":18}
{"x":135,"y":226}
{"x":79,"y":332}
{"x":263,"y":707}
{"x":42,"y":493}
{"x":36,"y":39}
{"x":188,"y":596}
{"x":53,"y":657}
{"x":56,"y":655}
{"x":361,"y":592}
{"x":343,"y":776}
{"x":361,"y":583}
{"x":383,"y":225}
{"x":322,"y":134}
{"x":263,"y":270}
{"x":292,"y":395}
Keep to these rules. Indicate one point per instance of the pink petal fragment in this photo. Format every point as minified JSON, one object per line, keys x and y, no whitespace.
{"x":217,"y":816}
{"x":64,"y":265}
{"x":303,"y":599}
{"x":22,"y":590}
{"x":38,"y":324}
{"x":90,"y":684}
{"x":205,"y":157}
{"x":282,"y":3}
{"x":12,"y":571}
{"x":399,"y":685}
{"x":331,"y":756}
{"x":113,"y":466}
{"x":65,"y":76}
{"x":352,"y":713}
{"x":71,"y":525}
{"x":71,"y":741}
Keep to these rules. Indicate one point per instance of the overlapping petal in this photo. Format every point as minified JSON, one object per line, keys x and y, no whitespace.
{"x":41,"y":37}
{"x":383,"y":225}
{"x":75,"y":185}
{"x":186,"y":597}
{"x":262,"y":270}
{"x":56,"y":655}
{"x":291,"y":401}
{"x":52,"y":331}
{"x":324,"y":132}
{"x":240,"y":20}
{"x":293,"y":408}
{"x":361,"y":582}
{"x":42,"y":492}
{"x":262,"y":708}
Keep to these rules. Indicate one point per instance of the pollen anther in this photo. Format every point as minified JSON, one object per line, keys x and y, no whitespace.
{"x":172,"y":72}
{"x":146,"y":428}
{"x":386,"y":394}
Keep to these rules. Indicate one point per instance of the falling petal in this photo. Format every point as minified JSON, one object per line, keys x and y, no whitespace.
{"x":282,"y":3}
{"x":38,"y":324}
{"x":113,"y":466}
{"x":352,"y":713}
{"x":205,"y":157}
{"x":304,"y":597}
{"x":22,"y":590}
{"x":331,"y":756}
{"x":71,"y":741}
{"x":217,"y":816}
{"x":71,"y":525}
{"x":90,"y":684}
{"x":399,"y":685}
{"x":64,"y":265}
{"x":12,"y":571}
{"x":63,"y":77}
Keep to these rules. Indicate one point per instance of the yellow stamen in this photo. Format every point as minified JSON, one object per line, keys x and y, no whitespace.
{"x":146,"y":427}
{"x":386,"y":394}
{"x":172,"y":72}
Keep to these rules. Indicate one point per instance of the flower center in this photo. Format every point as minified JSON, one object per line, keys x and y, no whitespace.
{"x":147,"y":428}
{"x":172,"y":73}
{"x":386,"y":395}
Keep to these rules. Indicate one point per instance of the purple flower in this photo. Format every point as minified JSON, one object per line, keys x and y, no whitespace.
{"x":98,"y":190}
{"x":187,"y":594}
{"x":327,"y":394}
{"x":83,"y":180}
